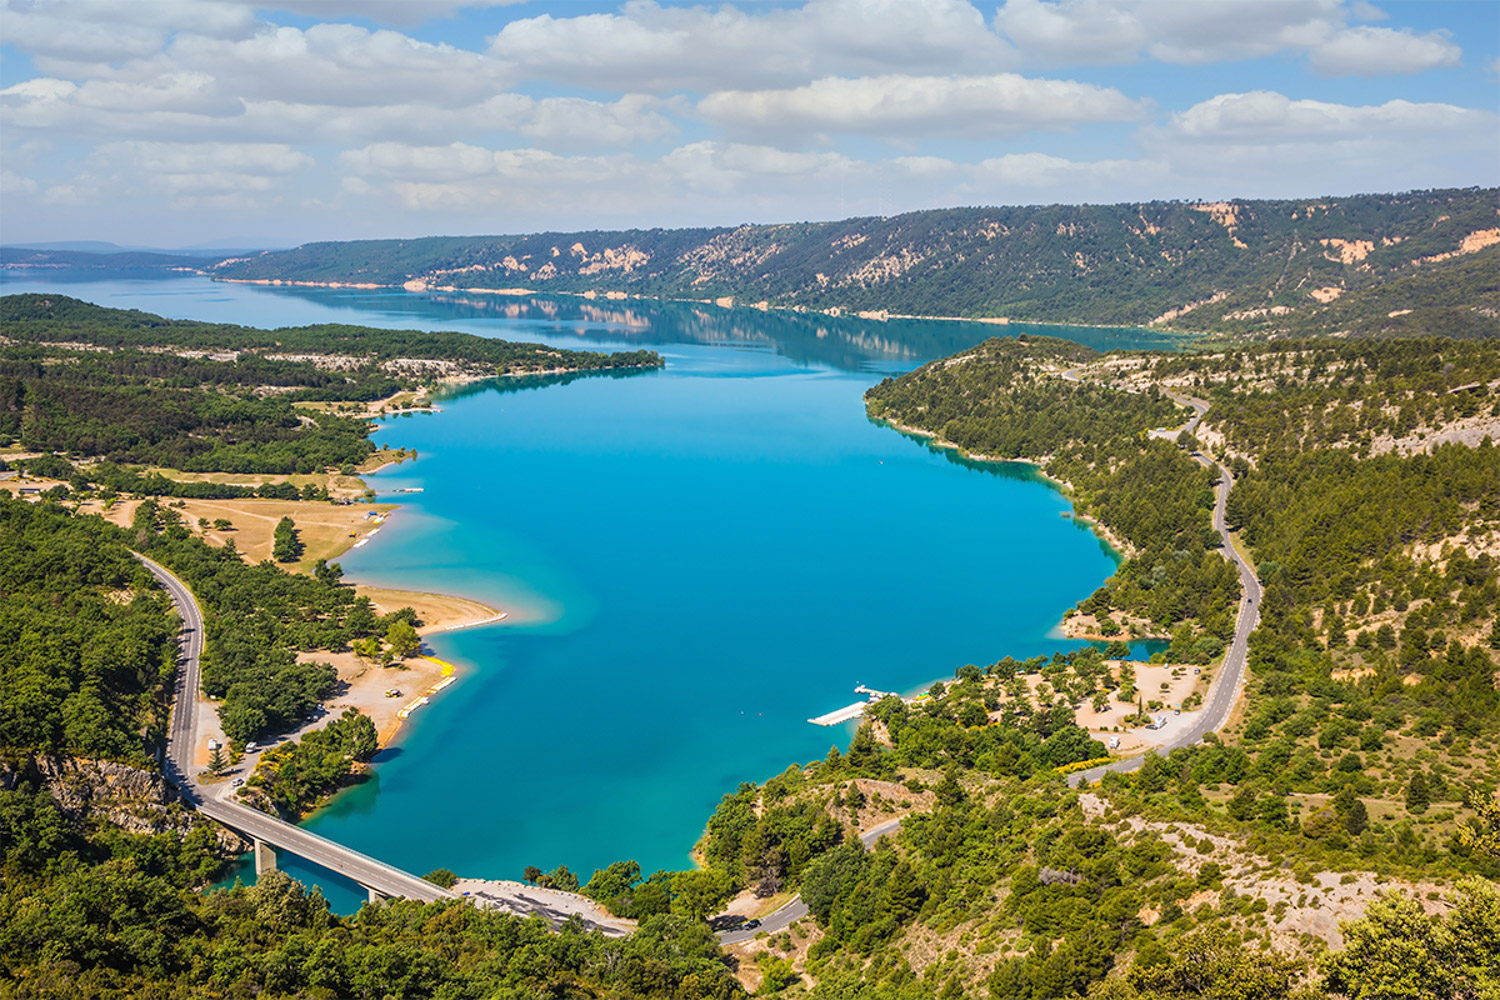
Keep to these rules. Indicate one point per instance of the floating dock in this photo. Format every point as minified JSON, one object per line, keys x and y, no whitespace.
{"x":853,"y":711}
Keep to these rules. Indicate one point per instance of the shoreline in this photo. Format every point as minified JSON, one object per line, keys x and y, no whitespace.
{"x":1122,"y":549}
{"x":876,"y":315}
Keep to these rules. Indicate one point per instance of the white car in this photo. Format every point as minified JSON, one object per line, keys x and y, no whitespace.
{"x":237,"y":782}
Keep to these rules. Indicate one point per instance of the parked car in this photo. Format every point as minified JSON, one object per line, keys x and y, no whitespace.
{"x":251,"y":747}
{"x":237,"y":782}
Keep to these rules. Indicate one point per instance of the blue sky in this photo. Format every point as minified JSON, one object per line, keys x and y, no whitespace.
{"x":176,"y":122}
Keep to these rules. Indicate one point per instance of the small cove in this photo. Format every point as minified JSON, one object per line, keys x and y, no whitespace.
{"x":700,"y":559}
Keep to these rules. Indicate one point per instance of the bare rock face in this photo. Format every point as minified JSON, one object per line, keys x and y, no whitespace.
{"x":135,"y":800}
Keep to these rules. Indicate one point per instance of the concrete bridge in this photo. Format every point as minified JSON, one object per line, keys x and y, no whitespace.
{"x":268,"y":833}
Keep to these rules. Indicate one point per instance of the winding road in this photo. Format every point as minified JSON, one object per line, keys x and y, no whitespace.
{"x":1225,"y":689}
{"x":388,"y":880}
{"x":210,"y":800}
{"x":372,"y":873}
{"x":1222,"y":693}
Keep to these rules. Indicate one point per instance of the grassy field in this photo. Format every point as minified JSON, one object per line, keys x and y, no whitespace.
{"x":327,"y":531}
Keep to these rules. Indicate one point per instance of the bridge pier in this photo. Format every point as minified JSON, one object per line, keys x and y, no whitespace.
{"x":265,"y":857}
{"x":373,"y":895}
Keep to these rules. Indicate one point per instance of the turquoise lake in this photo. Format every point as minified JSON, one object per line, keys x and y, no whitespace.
{"x":699,"y":559}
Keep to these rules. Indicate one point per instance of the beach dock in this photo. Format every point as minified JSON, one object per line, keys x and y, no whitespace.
{"x":844,"y":714}
{"x":853,"y":711}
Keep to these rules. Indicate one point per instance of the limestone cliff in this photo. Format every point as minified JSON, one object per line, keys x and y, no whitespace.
{"x":103,"y":791}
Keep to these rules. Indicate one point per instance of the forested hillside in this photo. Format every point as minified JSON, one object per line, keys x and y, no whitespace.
{"x":1338,"y":840}
{"x":1397,"y":264}
{"x":1368,"y":493}
{"x":131,"y":387}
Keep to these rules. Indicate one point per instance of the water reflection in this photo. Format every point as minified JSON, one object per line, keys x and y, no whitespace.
{"x":850,"y":343}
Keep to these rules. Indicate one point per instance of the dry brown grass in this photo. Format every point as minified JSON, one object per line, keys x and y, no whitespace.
{"x":326,"y":530}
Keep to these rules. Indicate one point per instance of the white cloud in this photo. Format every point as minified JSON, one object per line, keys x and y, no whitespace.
{"x":571,"y":123}
{"x":14,"y":184}
{"x":901,"y":106}
{"x":62,"y":34}
{"x":426,"y":163}
{"x":693,"y":183}
{"x":1077,"y":31}
{"x":1365,"y":51}
{"x":1083,"y":179}
{"x":1263,"y":144}
{"x":1116,"y":31}
{"x":656,"y":49}
{"x":1269,"y":118}
{"x":399,"y":12}
{"x":1112,"y":31}
{"x":209,"y":175}
{"x":341,"y":65}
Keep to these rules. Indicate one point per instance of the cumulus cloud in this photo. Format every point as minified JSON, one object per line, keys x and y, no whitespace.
{"x":398,"y":12}
{"x":1264,"y":140}
{"x":68,"y":35}
{"x":340,"y":64}
{"x":1366,"y":51}
{"x":904,"y":106}
{"x":650,"y":48}
{"x":198,"y":175}
{"x":1115,"y":31}
{"x":1269,"y":118}
{"x":1112,"y":31}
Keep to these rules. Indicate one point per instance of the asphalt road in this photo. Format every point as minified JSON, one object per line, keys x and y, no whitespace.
{"x":391,"y":881}
{"x":1222,"y":694}
{"x":182,"y":741}
{"x":1225,"y":689}
{"x":794,"y":909}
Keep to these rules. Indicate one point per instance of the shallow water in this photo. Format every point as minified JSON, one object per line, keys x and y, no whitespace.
{"x":697,"y":560}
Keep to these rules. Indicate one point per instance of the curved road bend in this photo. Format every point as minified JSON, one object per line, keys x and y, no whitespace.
{"x":1225,"y":689}
{"x":794,"y":909}
{"x":182,"y":739}
{"x":1222,"y":694}
{"x":388,"y":880}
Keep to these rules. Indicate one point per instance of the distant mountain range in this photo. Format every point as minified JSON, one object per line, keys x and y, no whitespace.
{"x":1377,"y":265}
{"x":216,"y":250}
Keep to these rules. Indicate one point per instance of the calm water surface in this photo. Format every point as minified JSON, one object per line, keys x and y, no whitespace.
{"x":697,"y":561}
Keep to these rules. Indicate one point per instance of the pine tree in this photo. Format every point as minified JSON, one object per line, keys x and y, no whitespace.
{"x":1243,"y":806}
{"x":403,"y":639}
{"x":1417,"y":797}
{"x":216,"y":761}
{"x":1357,"y":819}
{"x":287,"y":547}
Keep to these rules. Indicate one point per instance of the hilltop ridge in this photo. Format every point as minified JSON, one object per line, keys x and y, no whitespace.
{"x":1375,"y":265}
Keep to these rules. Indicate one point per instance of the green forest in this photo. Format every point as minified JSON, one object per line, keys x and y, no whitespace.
{"x":1245,"y":266}
{"x":132,"y":388}
{"x":1355,"y":789}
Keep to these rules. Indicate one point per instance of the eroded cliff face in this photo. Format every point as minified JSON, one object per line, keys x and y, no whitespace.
{"x":130,"y":798}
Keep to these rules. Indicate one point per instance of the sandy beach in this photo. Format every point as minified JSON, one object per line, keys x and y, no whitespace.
{"x":328,"y":531}
{"x":365,"y":686}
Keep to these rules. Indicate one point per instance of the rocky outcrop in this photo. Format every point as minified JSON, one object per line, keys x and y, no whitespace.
{"x":104,"y":791}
